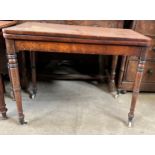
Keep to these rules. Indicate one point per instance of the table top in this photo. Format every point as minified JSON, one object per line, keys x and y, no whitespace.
{"x":74,"y":31}
{"x":5,"y":23}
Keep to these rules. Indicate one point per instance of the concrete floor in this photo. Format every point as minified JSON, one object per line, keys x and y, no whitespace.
{"x":75,"y":107}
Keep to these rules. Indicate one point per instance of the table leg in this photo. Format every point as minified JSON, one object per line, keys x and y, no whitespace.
{"x":136,"y":88}
{"x":33,"y":70}
{"x":112,"y":75}
{"x":12,"y":95}
{"x":3,"y":84}
{"x":122,"y":69}
{"x":3,"y":108}
{"x":23,"y":71}
{"x":101,"y":68}
{"x":14,"y":75}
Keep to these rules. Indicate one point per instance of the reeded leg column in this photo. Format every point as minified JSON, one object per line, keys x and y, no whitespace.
{"x":14,"y":76}
{"x":3,"y":108}
{"x":136,"y":88}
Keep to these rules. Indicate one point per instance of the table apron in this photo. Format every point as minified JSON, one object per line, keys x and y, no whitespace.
{"x":79,"y":48}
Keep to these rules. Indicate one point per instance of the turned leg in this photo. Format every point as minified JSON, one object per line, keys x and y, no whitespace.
{"x":112,"y":75}
{"x":33,"y":69}
{"x":121,"y":76}
{"x":101,"y":60}
{"x":24,"y":79}
{"x":14,"y":75}
{"x":11,"y":92}
{"x":136,"y":88}
{"x":3,"y":108}
{"x":3,"y":84}
{"x":23,"y":71}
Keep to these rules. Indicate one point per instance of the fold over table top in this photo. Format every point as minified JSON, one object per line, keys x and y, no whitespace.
{"x":5,"y":23}
{"x":84,"y":34}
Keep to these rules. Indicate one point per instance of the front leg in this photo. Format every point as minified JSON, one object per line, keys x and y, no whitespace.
{"x":14,"y":76}
{"x":136,"y":88}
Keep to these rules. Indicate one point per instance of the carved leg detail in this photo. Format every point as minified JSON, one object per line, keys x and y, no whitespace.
{"x":14,"y":75}
{"x":136,"y":88}
{"x":3,"y":108}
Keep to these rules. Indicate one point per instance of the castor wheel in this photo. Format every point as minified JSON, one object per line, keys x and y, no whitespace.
{"x":32,"y":95}
{"x":4,"y":116}
{"x":120,"y":91}
{"x":130,"y":124}
{"x":130,"y":120}
{"x":115,"y":94}
{"x":123,"y":91}
{"x":22,"y":121}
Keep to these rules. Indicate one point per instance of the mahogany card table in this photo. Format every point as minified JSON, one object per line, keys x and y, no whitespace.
{"x":46,"y":37}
